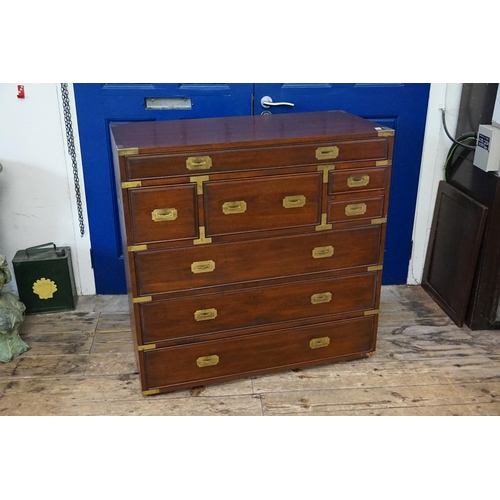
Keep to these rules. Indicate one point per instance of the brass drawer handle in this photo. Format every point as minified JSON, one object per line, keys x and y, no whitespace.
{"x":321,"y":298}
{"x":203,"y":266}
{"x":199,"y":163}
{"x":234,"y":207}
{"x":294,"y":201}
{"x":327,"y":152}
{"x":207,"y":360}
{"x":319,"y":342}
{"x":355,"y":209}
{"x":205,"y":314}
{"x":164,"y":214}
{"x":358,"y":180}
{"x":322,"y":252}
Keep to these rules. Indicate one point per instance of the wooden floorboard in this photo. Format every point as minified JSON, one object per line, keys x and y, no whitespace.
{"x":82,"y":362}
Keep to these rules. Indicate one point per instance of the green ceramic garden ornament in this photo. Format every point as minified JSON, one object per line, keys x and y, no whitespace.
{"x":11,"y":317}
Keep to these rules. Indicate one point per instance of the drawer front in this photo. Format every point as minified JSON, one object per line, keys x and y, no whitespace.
{"x":156,"y":166}
{"x":218,"y":312}
{"x":162,"y":213}
{"x":264,"y":203}
{"x":168,"y":270}
{"x":356,"y":180}
{"x":248,"y":355}
{"x":356,"y":209}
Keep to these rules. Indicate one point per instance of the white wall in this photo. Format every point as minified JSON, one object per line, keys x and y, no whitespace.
{"x":436,"y":146}
{"x":37,"y":200}
{"x":36,"y":184}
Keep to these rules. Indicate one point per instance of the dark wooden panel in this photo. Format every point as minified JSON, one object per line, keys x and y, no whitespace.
{"x":356,"y":180}
{"x":358,"y":208}
{"x":175,"y":318}
{"x":454,"y":244}
{"x":264,"y":207}
{"x":168,"y":270}
{"x":484,"y":187}
{"x":144,"y":201}
{"x":244,"y":356}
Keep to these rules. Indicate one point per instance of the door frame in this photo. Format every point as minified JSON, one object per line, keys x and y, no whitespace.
{"x":82,"y":262}
{"x":435,"y":149}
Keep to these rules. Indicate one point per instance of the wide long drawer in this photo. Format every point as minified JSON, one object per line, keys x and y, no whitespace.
{"x":199,"y":315}
{"x":169,"y":270}
{"x":196,"y":364}
{"x":210,"y":161}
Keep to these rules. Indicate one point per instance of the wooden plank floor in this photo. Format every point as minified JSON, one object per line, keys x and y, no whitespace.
{"x":82,"y":363}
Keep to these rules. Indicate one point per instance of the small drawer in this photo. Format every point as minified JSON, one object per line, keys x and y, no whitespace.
{"x":341,"y":181}
{"x":200,"y":266}
{"x":162,"y":213}
{"x":219,"y":312}
{"x":262,"y":203}
{"x":210,"y":161}
{"x":356,"y":209}
{"x":196,"y":364}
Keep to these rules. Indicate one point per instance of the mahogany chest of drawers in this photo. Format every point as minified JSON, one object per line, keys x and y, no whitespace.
{"x":252,"y":244}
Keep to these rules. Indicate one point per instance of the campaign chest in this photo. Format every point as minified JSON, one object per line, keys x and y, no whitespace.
{"x":252,"y":244}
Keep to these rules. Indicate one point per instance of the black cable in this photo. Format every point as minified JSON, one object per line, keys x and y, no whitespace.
{"x":472,"y":148}
{"x":451,"y":152}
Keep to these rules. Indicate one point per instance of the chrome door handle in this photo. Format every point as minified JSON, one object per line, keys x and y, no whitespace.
{"x":267,"y":102}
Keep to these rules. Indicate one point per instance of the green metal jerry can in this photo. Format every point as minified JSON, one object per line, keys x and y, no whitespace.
{"x":45,"y":280}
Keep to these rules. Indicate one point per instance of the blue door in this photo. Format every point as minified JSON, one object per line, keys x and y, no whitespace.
{"x":399,"y":106}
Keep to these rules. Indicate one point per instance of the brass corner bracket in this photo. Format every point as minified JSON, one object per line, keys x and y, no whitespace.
{"x":127,"y":151}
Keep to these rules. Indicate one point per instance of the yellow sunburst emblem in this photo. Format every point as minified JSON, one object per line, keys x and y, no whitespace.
{"x":44,"y":288}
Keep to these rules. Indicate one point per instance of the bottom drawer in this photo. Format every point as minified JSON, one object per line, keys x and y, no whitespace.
{"x":173,"y":368}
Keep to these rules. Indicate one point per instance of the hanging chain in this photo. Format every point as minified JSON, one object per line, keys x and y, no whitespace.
{"x":71,"y":150}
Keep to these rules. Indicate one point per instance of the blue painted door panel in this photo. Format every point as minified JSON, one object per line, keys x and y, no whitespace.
{"x":399,"y":106}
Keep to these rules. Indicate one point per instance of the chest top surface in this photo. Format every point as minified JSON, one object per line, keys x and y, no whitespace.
{"x":240,"y":131}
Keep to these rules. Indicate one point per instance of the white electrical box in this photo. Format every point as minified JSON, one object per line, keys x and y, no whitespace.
{"x":487,"y":154}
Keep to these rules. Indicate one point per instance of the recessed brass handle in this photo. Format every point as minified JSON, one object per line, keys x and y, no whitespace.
{"x":203,"y":266}
{"x":322,"y":252}
{"x":358,"y":180}
{"x":205,"y":314}
{"x":294,"y":201}
{"x":207,"y":360}
{"x":164,"y":214}
{"x":319,"y":342}
{"x":234,"y":207}
{"x":355,"y":209}
{"x":321,"y":298}
{"x":327,"y":152}
{"x":199,"y":163}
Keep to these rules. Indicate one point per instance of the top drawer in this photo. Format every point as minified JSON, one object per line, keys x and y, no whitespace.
{"x":155,"y":166}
